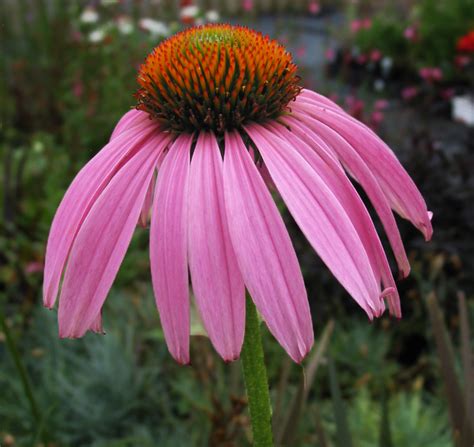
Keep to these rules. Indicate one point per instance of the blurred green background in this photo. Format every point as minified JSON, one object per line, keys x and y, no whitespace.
{"x":68,"y":74}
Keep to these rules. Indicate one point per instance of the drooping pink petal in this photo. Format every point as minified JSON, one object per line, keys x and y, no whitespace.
{"x":396,"y":184}
{"x":217,"y":283}
{"x":264,"y":251}
{"x":129,"y":120}
{"x":320,"y":99}
{"x":320,"y":158}
{"x":102,"y":241}
{"x":96,"y":325}
{"x":168,"y":247}
{"x":145,"y":212}
{"x":79,"y":198}
{"x":309,"y":129}
{"x":321,"y":218}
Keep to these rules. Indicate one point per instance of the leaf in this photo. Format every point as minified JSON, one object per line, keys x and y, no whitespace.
{"x":343,"y":436}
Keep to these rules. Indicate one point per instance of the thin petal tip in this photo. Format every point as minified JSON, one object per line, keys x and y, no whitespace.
{"x":426,"y":228}
{"x":183,"y":362}
{"x":182,"y":358}
{"x":303,"y":351}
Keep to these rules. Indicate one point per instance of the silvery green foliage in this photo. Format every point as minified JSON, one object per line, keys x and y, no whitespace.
{"x":98,"y":391}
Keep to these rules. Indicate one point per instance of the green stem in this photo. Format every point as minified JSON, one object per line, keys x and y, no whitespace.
{"x":21,"y":371}
{"x":256,"y":382}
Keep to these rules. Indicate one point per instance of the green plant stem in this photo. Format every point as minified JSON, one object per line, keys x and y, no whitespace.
{"x":10,"y":342}
{"x":256,"y":382}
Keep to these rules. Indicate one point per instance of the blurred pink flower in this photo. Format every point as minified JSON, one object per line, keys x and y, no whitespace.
{"x":431,"y":74}
{"x":247,"y":5}
{"x":314,"y":7}
{"x":301,"y":51}
{"x":78,"y":88}
{"x":462,"y":60}
{"x":411,"y":33}
{"x":355,"y":106}
{"x":360,"y":24}
{"x":380,"y":104}
{"x":409,"y":93}
{"x":330,"y":54}
{"x":362,"y":58}
{"x":447,"y":93}
{"x":34,"y":267}
{"x":356,"y":25}
{"x":375,"y":55}
{"x":376,"y":118}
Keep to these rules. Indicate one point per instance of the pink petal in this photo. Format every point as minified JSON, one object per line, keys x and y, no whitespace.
{"x":131,"y":119}
{"x":264,"y":251}
{"x":217,"y":282}
{"x":309,"y":129}
{"x":331,"y":172}
{"x":321,"y":218}
{"x":319,"y":99}
{"x":79,"y":198}
{"x":102,"y":241}
{"x":145,"y":212}
{"x":96,"y":325}
{"x":397,"y":185}
{"x":168,"y":247}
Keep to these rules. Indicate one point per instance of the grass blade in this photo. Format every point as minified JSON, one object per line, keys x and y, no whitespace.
{"x":468,"y":369}
{"x":286,"y":434}
{"x":447,"y":362}
{"x":385,"y":438}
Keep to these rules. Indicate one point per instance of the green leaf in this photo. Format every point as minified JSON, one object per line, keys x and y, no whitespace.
{"x":343,"y":436}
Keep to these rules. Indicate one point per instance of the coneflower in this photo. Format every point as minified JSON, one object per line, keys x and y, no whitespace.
{"x":220,"y":117}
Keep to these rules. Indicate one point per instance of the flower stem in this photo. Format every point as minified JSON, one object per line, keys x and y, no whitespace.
{"x":256,"y":382}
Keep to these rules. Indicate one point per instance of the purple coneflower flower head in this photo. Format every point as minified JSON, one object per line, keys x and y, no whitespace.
{"x":220,"y":118}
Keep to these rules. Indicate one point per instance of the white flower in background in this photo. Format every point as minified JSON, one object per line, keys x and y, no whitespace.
{"x":386,"y":64}
{"x":463,"y":109}
{"x":199,"y":21}
{"x":212,"y":15}
{"x":96,"y":36}
{"x":124,"y":25}
{"x":154,"y":27}
{"x":379,"y":85}
{"x":189,"y":12}
{"x":89,"y":15}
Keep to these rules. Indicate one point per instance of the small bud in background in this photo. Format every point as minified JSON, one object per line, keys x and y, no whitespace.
{"x":124,"y":25}
{"x":96,"y":36}
{"x":212,"y":16}
{"x":89,"y":15}
{"x":154,"y":27}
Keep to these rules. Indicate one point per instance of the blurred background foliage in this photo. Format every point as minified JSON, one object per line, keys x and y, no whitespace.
{"x":68,"y":74}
